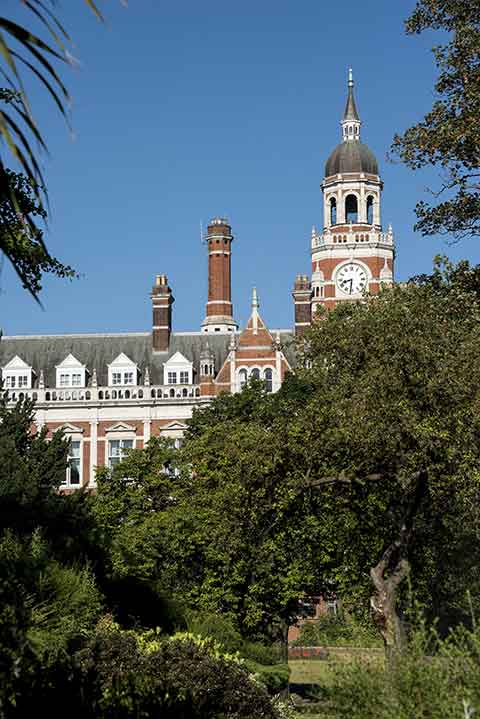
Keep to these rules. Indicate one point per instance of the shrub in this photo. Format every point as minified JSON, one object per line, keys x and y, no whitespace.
{"x":274,"y":678}
{"x":433,"y":679}
{"x":344,"y":631}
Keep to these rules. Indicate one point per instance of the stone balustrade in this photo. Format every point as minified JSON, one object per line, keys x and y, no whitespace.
{"x":107,"y":395}
{"x":331,"y":238}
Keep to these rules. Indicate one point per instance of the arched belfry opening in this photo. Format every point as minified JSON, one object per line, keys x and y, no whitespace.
{"x":333,"y":211}
{"x":370,"y":210}
{"x":351,"y":209}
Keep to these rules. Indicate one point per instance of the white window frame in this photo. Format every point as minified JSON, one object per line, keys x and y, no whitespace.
{"x":14,"y":373}
{"x":122,"y":446}
{"x":126,"y":369}
{"x":67,"y":369}
{"x":74,"y":434}
{"x":172,"y":377}
{"x":177,"y":364}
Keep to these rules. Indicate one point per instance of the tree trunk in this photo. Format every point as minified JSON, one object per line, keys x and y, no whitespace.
{"x":386,"y":577}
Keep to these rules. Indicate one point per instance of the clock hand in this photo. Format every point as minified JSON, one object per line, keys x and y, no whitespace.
{"x":350,"y":281}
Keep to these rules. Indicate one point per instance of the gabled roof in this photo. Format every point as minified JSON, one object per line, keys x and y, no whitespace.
{"x":16,"y":363}
{"x":97,"y":352}
{"x":121,"y":360}
{"x":178,"y":359}
{"x":70,"y":362}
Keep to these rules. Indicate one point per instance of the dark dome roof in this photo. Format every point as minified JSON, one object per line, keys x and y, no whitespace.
{"x":351,"y":156}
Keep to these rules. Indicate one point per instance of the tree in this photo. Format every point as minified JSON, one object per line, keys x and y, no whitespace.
{"x":392,"y":428}
{"x":246,"y":535}
{"x":447,"y":137}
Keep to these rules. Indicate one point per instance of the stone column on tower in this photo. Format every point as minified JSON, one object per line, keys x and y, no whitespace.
{"x":219,"y":311}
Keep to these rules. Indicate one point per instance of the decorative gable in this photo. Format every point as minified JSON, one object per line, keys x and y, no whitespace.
{"x":71,"y":429}
{"x":17,"y":374}
{"x":71,"y":373}
{"x":178,"y":370}
{"x":121,"y":427}
{"x":122,"y":371}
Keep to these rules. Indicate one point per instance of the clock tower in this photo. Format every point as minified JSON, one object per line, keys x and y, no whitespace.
{"x":353,"y":254}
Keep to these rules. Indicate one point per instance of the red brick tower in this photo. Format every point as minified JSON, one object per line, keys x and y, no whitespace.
{"x":353,"y":255}
{"x":162,"y":301}
{"x":219,"y":312}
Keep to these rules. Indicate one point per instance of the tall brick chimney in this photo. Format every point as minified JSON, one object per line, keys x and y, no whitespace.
{"x":302,"y":297}
{"x":219,"y":312}
{"x":162,"y":301}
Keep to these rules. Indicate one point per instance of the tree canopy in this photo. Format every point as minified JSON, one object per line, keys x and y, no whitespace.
{"x":447,"y":137}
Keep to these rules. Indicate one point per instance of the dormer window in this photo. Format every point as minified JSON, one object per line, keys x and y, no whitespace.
{"x":178,"y":370}
{"x":71,"y":373}
{"x":17,"y":374}
{"x":122,"y":371}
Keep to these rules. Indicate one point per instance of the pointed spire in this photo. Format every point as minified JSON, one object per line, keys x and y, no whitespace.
{"x":255,"y":307}
{"x":351,"y":112}
{"x":94,"y":377}
{"x":146,"y":377}
{"x":41,"y":380}
{"x":351,"y":119}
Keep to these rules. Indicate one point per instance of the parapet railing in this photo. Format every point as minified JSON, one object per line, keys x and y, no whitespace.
{"x":356,"y":237}
{"x":153,"y":393}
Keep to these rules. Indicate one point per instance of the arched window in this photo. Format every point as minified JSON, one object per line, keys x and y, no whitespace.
{"x":268,"y":377}
{"x":351,"y":209}
{"x":172,"y":393}
{"x":205,"y":369}
{"x":370,"y":210}
{"x":243,"y":377}
{"x":255,"y":373}
{"x":333,"y":211}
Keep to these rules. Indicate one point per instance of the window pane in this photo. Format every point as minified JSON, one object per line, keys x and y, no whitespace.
{"x":74,"y":471}
{"x":127,"y":443}
{"x":114,"y":445}
{"x":116,"y":378}
{"x":255,"y":373}
{"x":76,"y":380}
{"x":172,"y":378}
{"x":75,"y":449}
{"x":183,"y":377}
{"x":128,"y":377}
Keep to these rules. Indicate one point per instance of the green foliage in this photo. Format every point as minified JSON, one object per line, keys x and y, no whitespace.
{"x":22,"y":241}
{"x":345,"y":631}
{"x":396,"y":399}
{"x":177,"y":677}
{"x":447,"y":136}
{"x":433,"y":679}
{"x":274,"y":678}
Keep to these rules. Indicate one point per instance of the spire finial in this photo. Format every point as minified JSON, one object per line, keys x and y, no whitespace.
{"x":351,"y":120}
{"x":255,"y":306}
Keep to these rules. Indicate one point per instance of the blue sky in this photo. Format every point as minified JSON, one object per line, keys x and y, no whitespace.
{"x":185,"y":110}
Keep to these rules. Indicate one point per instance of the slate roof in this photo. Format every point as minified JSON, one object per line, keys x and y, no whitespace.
{"x":351,"y":156}
{"x":98,"y":350}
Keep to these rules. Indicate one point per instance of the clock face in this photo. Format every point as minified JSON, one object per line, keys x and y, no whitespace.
{"x":351,"y":279}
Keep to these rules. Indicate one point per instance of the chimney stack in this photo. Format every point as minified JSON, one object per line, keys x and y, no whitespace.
{"x":302,"y":298}
{"x":162,"y":301}
{"x":219,"y":312}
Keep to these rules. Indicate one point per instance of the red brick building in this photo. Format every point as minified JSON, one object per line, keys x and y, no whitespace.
{"x":111,"y":392}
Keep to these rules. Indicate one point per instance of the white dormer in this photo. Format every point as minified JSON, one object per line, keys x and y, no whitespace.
{"x":71,"y":373}
{"x":17,"y":374}
{"x":122,"y":372}
{"x":178,"y":370}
